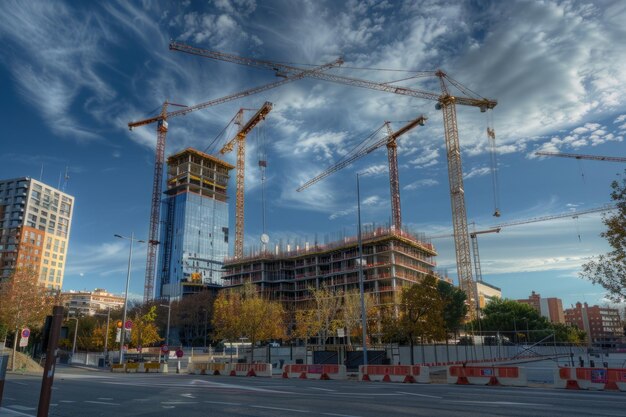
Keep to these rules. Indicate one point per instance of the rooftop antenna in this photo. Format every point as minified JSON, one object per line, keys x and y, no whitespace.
{"x":66,"y":177}
{"x":41,"y":173}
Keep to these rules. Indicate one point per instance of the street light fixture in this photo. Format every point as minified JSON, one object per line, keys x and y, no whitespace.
{"x":130,"y":257}
{"x":167,"y":332}
{"x":361,"y":279}
{"x":106,"y":333}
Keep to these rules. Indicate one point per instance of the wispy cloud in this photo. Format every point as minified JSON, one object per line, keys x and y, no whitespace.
{"x":427,"y":182}
{"x":477,"y":172}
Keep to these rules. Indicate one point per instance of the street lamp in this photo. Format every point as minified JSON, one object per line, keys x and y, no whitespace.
{"x":130,"y":257}
{"x":361,"y":284}
{"x":206,"y":325}
{"x":75,"y":333}
{"x":106,"y":333}
{"x":167,"y":331}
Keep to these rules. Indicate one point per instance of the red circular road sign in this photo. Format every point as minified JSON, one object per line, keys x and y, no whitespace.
{"x":128,"y":324}
{"x":179,"y":353}
{"x":165,"y":349}
{"x":139,"y":349}
{"x":25,"y":332}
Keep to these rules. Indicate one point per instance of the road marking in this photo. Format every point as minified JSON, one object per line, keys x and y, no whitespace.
{"x":418,"y":395}
{"x":22,"y":408}
{"x":338,"y":415}
{"x":498,"y":403}
{"x":15,"y":413}
{"x":280,"y":409}
{"x":240,"y":387}
{"x":221,"y":402}
{"x":323,"y":389}
{"x":100,"y":402}
{"x":179,"y":402}
{"x":67,"y":401}
{"x":20,"y":383}
{"x":105,"y":399}
{"x":188,"y":395}
{"x":168,"y":406}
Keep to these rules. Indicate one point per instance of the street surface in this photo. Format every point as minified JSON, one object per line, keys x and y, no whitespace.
{"x":80,"y":392}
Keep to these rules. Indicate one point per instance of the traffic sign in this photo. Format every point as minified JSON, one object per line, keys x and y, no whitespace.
{"x":139,"y":349}
{"x":128,"y":324}
{"x":23,"y":341}
{"x":179,"y":353}
{"x":165,"y":349}
{"x":25,"y":332}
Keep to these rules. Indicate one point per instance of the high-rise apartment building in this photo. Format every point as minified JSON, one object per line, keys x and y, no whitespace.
{"x":194,"y":224}
{"x":550,"y":308}
{"x":35,"y":222}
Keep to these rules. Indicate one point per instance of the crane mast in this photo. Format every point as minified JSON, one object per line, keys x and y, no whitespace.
{"x":446,"y":103}
{"x":240,"y":140}
{"x":394,"y":180}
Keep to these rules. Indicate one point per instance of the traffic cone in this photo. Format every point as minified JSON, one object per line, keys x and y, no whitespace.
{"x":251,"y":373}
{"x":409,"y":379}
{"x":324,"y":377}
{"x":216,"y":372}
{"x":611,"y":386}
{"x":285,"y":375}
{"x":462,"y":380}
{"x":303,"y":375}
{"x":366,"y":377}
{"x":386,"y":378}
{"x":572,"y":384}
{"x":493,"y":382}
{"x":233,"y":373}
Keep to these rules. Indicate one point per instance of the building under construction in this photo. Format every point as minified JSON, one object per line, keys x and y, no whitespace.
{"x":393,"y":259}
{"x":194,"y":224}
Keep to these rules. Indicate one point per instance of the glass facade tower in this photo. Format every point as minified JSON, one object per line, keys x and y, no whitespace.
{"x":194,"y":224}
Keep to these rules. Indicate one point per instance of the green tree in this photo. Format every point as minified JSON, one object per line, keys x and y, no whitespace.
{"x":192,"y":315}
{"x":307,"y":325}
{"x":455,"y":309}
{"x":144,"y":331}
{"x":420,"y":315}
{"x":609,"y":270}
{"x":350,"y":316}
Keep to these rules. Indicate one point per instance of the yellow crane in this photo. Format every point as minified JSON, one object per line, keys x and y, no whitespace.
{"x":162,"y":128}
{"x":240,"y":141}
{"x":446,"y":102}
{"x":392,"y":156}
{"x":582,"y":156}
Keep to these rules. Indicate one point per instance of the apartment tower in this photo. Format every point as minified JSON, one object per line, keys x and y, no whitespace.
{"x":194,"y":224}
{"x":35,"y":222}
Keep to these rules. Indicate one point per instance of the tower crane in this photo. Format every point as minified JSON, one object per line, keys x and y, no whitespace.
{"x":392,"y":154}
{"x":162,"y":127}
{"x":240,"y":141}
{"x":446,"y":102}
{"x":582,"y":156}
{"x":499,"y":227}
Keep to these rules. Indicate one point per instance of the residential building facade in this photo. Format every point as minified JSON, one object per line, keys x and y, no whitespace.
{"x":194,"y":224}
{"x":91,"y":302}
{"x":392,"y":259}
{"x":486,"y":293}
{"x":550,"y":308}
{"x":602,"y":324}
{"x":35,"y":223}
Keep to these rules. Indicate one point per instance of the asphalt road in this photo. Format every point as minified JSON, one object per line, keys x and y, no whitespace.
{"x":80,"y":393}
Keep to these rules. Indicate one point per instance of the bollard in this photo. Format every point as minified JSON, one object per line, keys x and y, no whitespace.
{"x":178,"y":366}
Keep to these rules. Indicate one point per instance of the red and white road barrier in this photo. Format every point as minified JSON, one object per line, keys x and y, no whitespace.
{"x":250,"y":369}
{"x":608,"y":379}
{"x":395,"y":373}
{"x":314,"y":371}
{"x":207,"y":368}
{"x":487,"y":375}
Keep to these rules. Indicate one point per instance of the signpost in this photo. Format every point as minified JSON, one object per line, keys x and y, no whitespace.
{"x":51,"y":358}
{"x":25,"y":336}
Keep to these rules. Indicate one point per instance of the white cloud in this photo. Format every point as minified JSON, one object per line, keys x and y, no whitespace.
{"x":477,"y":172}
{"x":428,"y":182}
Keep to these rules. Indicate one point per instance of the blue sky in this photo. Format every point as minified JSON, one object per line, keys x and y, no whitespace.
{"x":73,"y":74}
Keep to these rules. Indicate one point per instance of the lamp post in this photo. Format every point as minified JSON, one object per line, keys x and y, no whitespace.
{"x":167,"y":331}
{"x":361,"y":279}
{"x":106,"y":333}
{"x":206,"y":325}
{"x":75,"y":333}
{"x":130,"y":257}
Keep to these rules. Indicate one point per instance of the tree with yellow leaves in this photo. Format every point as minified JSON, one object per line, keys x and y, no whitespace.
{"x":25,"y":302}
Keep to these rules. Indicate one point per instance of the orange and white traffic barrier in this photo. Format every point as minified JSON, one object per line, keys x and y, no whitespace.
{"x":249,"y":369}
{"x":207,"y":368}
{"x":608,"y":379}
{"x":487,"y":375}
{"x":314,"y":371}
{"x":395,"y":373}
